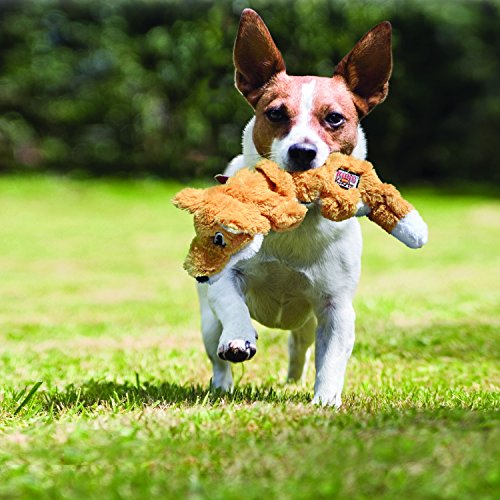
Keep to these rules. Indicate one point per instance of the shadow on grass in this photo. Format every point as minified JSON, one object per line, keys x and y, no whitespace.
{"x":127,"y":396}
{"x":96,"y":395}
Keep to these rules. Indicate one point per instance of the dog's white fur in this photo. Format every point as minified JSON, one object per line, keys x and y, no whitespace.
{"x":302,"y":280}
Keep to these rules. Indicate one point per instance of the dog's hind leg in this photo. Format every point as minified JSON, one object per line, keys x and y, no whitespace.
{"x":299,"y":344}
{"x":211,"y":329}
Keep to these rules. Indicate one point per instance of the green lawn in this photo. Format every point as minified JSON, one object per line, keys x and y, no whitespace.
{"x":95,"y":305}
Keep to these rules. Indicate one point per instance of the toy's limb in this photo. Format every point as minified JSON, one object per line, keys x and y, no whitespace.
{"x":339,"y":204}
{"x":387,"y":206}
{"x":285,"y":214}
{"x":395,"y":215}
{"x":411,"y":230}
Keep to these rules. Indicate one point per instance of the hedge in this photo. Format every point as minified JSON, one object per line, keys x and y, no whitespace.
{"x":145,"y":88}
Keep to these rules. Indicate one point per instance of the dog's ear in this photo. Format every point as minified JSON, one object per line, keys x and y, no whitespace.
{"x":189,"y":199}
{"x":367,"y":68}
{"x":256,"y":57}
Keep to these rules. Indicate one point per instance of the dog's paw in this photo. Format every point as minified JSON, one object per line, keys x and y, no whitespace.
{"x":237,"y":351}
{"x":327,"y":400}
{"x":222,"y":379}
{"x":221,"y":388}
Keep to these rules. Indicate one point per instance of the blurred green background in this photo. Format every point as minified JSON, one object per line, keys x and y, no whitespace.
{"x":145,"y":88}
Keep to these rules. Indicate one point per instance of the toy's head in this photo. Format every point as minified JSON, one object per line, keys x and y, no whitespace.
{"x":225,"y":229}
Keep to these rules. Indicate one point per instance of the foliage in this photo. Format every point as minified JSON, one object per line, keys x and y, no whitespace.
{"x":146,"y":87}
{"x":96,"y":306}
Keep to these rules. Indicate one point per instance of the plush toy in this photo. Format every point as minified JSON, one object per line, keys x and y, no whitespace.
{"x":241,"y":210}
{"x":227,"y":217}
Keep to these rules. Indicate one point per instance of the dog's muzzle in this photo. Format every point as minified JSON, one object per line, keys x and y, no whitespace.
{"x":301,"y":156}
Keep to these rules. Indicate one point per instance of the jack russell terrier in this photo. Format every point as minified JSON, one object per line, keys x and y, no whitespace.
{"x":301,"y":280}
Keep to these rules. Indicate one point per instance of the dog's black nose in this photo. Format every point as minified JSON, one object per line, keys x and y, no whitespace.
{"x":202,"y":279}
{"x":301,"y":156}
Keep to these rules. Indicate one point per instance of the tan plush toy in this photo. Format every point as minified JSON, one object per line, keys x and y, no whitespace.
{"x":227,"y":217}
{"x":237,"y":214}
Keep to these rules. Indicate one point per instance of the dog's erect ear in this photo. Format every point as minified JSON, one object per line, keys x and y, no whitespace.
{"x":367,"y":68}
{"x":189,"y":199}
{"x":256,"y":57}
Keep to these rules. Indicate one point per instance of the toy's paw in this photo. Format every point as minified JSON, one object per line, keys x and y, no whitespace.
{"x":411,"y":230}
{"x":237,"y":350}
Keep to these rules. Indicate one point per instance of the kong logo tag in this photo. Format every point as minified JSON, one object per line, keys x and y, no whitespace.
{"x":346,"y":180}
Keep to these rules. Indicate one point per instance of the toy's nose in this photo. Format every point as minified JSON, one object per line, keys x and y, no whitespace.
{"x":202,"y":279}
{"x":301,"y":156}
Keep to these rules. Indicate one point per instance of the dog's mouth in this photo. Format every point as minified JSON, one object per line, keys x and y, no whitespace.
{"x":292,"y":168}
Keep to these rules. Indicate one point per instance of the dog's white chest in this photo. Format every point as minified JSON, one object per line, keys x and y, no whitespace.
{"x":284,"y":283}
{"x":277,"y":295}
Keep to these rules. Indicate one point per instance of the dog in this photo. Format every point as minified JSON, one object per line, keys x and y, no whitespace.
{"x":301,"y":280}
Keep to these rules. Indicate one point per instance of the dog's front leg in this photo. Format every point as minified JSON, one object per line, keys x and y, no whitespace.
{"x":237,"y":342}
{"x":334,"y":343}
{"x":211,"y":330}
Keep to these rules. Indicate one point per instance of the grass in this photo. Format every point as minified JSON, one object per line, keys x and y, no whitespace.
{"x":104,"y":387}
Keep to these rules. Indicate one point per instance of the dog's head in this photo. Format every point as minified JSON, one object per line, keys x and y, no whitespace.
{"x":300,"y":120}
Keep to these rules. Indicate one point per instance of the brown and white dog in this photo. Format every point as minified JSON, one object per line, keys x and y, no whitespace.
{"x":301,"y":280}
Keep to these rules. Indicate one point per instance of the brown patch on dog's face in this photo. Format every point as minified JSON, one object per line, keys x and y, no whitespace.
{"x":281,"y":108}
{"x":278,"y":98}
{"x":211,"y":249}
{"x":334,"y":98}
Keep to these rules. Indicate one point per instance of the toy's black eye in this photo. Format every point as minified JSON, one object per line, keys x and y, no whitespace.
{"x":277,"y":115}
{"x":219,"y":240}
{"x":335,"y":120}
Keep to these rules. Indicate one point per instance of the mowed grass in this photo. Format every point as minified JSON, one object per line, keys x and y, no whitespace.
{"x":94,"y":304}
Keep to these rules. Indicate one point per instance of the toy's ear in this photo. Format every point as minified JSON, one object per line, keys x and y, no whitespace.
{"x":238,"y":217}
{"x":189,"y":199}
{"x":367,"y":68}
{"x":221,"y":178}
{"x":279,"y":180}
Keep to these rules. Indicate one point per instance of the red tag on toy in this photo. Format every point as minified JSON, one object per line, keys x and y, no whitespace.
{"x":346,"y":180}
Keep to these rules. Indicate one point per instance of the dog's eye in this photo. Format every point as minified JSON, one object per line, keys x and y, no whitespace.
{"x":219,"y":240}
{"x":277,"y":115}
{"x":335,"y":120}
